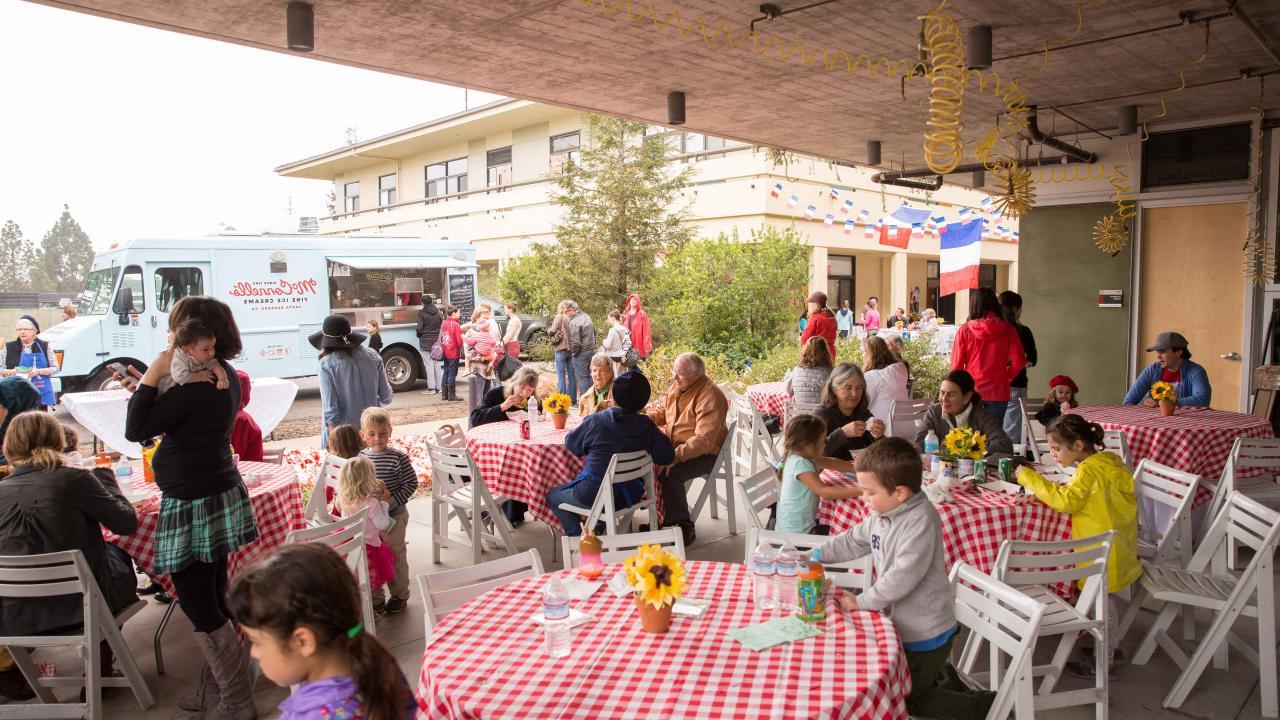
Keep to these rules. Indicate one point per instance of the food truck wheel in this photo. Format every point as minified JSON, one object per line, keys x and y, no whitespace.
{"x":402,"y":369}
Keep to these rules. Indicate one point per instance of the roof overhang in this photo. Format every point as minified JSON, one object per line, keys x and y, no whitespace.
{"x":400,"y":263}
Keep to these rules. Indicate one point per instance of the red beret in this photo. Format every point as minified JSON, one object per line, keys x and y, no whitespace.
{"x":1057,"y":380}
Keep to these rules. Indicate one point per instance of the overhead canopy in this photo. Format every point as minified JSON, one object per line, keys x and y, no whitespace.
{"x":822,"y":80}
{"x":401,"y":263}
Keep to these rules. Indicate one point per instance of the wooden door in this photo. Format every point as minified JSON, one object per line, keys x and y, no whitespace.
{"x":1191,"y":282}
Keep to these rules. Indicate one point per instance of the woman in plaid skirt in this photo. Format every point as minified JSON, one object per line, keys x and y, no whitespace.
{"x":205,"y":513}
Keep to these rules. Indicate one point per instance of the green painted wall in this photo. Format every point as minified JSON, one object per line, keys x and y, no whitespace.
{"x":1060,"y":272}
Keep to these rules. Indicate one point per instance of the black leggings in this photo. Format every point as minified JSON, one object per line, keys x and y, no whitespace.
{"x":202,"y":593}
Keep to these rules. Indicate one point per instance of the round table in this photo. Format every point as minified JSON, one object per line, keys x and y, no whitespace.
{"x":974,"y":524}
{"x":524,"y":470}
{"x":486,"y":660}
{"x":769,"y":398}
{"x":1194,"y":439}
{"x":277,"y":508}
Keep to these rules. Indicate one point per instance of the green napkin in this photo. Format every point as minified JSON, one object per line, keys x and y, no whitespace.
{"x":774,"y":632}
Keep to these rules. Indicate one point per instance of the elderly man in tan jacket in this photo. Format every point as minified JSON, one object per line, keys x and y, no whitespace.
{"x":693,"y":417}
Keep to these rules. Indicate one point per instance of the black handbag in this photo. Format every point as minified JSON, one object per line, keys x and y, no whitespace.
{"x":506,"y":367}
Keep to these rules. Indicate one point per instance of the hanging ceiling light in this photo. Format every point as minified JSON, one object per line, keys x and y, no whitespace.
{"x":1127,"y":121}
{"x":977,"y":47}
{"x":300,"y":27}
{"x":873,"y":152}
{"x":675,"y":108}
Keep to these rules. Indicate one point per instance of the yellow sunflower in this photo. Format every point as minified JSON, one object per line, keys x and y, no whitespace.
{"x":557,"y":403}
{"x":1163,"y":392}
{"x":657,"y":576}
{"x":965,"y":442}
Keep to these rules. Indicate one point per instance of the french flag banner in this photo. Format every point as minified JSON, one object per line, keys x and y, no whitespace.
{"x":793,"y":201}
{"x":848,"y":226}
{"x":834,"y":193}
{"x":872,"y":230}
{"x":828,"y":219}
{"x":848,"y":205}
{"x":810,"y":211}
{"x":960,"y":257}
{"x":917,"y":230}
{"x":986,"y":201}
{"x":898,"y":236}
{"x":963,"y":212}
{"x":937,"y":222}
{"x":777,"y":190}
{"x":864,"y":216}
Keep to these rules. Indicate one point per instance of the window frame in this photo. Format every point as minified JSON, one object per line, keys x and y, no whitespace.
{"x":458,"y":180}
{"x":350,"y":202}
{"x":139,"y":297}
{"x":559,"y":158}
{"x":493,"y":171}
{"x":156,"y":286}
{"x":387,"y":196}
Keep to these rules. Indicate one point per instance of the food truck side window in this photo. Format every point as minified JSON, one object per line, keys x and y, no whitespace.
{"x":174,"y":283}
{"x":384,"y":293}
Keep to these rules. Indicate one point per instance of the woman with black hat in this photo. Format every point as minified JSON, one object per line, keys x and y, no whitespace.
{"x":29,"y":357}
{"x":352,"y":377}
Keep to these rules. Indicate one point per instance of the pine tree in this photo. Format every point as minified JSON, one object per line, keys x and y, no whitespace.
{"x":618,"y":215}
{"x":15,"y":259}
{"x":65,"y":255}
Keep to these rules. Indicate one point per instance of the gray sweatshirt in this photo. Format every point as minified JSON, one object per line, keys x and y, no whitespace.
{"x":805,"y":384}
{"x":911,"y":584}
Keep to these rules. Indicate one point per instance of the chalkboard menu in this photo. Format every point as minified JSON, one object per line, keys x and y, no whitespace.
{"x":462,"y":293}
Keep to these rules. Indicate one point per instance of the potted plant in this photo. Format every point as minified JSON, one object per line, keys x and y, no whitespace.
{"x":964,"y":445}
{"x":657,"y":577}
{"x":557,"y":405}
{"x":1165,"y":394}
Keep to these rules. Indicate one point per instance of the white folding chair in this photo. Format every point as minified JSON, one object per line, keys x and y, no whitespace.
{"x":29,"y":578}
{"x":458,"y":490}
{"x":730,"y":394}
{"x":623,"y":467}
{"x":317,"y":510}
{"x":1033,"y":568}
{"x":1207,"y":584}
{"x":274,"y":456}
{"x":1030,"y":407}
{"x":1165,"y":499}
{"x":793,"y":408}
{"x":616,"y":548}
{"x":905,"y":417}
{"x":851,"y":574}
{"x":757,"y":494}
{"x":346,"y":537}
{"x":1009,"y":621}
{"x":442,"y":592}
{"x":753,"y":448}
{"x":1115,"y":441}
{"x":1251,"y":469}
{"x":721,"y":472}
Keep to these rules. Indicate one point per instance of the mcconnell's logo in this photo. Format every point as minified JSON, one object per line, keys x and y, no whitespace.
{"x":280,"y":288}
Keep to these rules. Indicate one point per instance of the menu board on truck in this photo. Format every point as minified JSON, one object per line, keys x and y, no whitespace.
{"x":462,"y":293}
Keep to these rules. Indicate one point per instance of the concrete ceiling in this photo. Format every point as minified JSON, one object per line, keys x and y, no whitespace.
{"x":612,"y":56}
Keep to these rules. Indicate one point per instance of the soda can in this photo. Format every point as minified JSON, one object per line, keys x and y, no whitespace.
{"x":980,"y":471}
{"x":1006,"y":469}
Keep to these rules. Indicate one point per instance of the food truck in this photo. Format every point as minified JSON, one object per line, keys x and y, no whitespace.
{"x":280,"y":288}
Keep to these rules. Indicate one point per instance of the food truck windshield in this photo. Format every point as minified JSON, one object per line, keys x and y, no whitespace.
{"x":390,"y":295}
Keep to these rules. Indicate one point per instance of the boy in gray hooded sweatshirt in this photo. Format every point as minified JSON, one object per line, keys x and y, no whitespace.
{"x":904,"y":537}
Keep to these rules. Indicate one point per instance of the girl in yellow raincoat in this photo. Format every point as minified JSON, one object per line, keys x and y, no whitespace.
{"x":1098,"y":498}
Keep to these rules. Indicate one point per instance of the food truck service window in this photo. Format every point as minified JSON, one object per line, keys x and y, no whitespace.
{"x":390,"y":295}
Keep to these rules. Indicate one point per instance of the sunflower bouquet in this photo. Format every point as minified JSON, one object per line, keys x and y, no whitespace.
{"x":557,"y":404}
{"x":966,"y":443}
{"x":656,"y":575}
{"x":1163,"y":392}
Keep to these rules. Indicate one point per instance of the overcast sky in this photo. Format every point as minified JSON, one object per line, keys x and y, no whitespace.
{"x":147,"y":133}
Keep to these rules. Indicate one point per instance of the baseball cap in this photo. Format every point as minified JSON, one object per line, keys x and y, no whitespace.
{"x":1166,"y":340}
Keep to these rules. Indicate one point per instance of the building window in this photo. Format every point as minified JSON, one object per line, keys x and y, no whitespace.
{"x":499,"y":167}
{"x":351,"y":197}
{"x":564,"y":149}
{"x":840,"y":281}
{"x":696,"y":143}
{"x":669,"y":137}
{"x":987,"y":276}
{"x":387,"y":190}
{"x":447,"y":178}
{"x":944,"y":306}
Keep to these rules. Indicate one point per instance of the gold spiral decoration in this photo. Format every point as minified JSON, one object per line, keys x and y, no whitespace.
{"x":1259,"y":255}
{"x":943,"y":143}
{"x":1019,"y":193}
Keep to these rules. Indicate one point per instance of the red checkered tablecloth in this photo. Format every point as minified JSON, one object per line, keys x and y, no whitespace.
{"x":769,"y":397}
{"x":486,"y":660}
{"x":973,"y":525}
{"x":277,"y":507}
{"x":525,"y":470}
{"x":1194,"y":439}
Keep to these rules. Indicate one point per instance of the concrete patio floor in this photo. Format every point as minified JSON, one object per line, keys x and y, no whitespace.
{"x":1136,"y":691}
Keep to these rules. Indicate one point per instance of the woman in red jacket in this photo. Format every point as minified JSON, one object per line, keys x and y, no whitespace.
{"x":637,"y":322}
{"x":989,"y":349}
{"x":451,"y":344}
{"x":822,"y":322}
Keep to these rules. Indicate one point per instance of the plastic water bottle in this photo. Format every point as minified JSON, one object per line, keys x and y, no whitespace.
{"x":124,"y":471}
{"x":787,"y":567}
{"x":555,"y":611}
{"x":763,"y":563}
{"x":931,"y":443}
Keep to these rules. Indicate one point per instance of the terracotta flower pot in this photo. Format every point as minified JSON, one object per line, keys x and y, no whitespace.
{"x":654,"y":620}
{"x":559,"y":419}
{"x":1167,"y":407}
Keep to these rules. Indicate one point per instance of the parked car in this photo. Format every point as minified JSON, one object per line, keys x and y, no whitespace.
{"x":532,"y":329}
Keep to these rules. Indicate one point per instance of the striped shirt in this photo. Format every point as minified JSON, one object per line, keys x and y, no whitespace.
{"x":396,"y":472}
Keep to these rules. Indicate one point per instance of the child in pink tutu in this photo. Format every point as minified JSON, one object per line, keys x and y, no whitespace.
{"x":359,"y":488}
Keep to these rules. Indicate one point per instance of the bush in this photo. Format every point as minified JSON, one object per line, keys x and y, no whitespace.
{"x":784,"y":356}
{"x":927,"y":369}
{"x":540,"y":349}
{"x":657,"y":367}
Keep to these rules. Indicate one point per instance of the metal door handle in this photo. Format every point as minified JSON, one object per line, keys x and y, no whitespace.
{"x":153,"y":321}
{"x":1230,"y":356}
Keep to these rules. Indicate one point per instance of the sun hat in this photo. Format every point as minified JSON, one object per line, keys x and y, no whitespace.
{"x":336,"y":334}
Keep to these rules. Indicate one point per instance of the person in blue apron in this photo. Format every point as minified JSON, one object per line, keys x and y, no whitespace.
{"x":29,"y":357}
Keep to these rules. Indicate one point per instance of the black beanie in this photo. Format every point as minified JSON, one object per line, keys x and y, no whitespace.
{"x":631,"y":391}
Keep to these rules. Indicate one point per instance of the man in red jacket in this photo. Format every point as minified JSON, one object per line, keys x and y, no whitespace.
{"x":822,"y":322}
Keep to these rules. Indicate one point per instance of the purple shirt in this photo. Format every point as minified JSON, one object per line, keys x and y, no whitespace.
{"x":329,"y":699}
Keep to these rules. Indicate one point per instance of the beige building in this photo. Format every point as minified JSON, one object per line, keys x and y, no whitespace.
{"x":485,"y":175}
